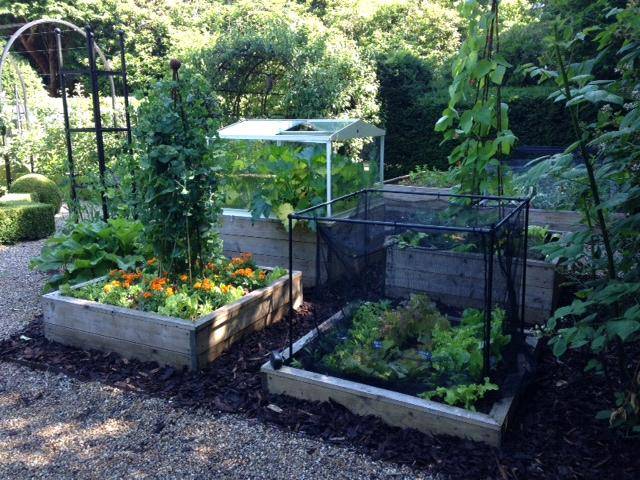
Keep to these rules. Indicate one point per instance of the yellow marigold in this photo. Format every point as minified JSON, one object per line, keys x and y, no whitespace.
{"x":225,"y":289}
{"x":116,"y":284}
{"x":108,"y":288}
{"x":197,"y":285}
{"x":147,"y":295}
{"x":169,"y":291}
{"x":184,"y":278}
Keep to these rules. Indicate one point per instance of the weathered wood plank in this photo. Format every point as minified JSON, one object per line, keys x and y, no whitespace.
{"x":471,"y":265}
{"x":557,"y":220}
{"x":148,"y":336}
{"x":81,"y":339}
{"x":130,"y":325}
{"x":253,"y":308}
{"x":222,"y":346}
{"x":458,"y":279}
{"x":394,"y":408}
{"x":263,"y":228}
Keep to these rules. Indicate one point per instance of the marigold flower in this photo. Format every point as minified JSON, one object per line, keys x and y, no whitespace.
{"x":197,"y":285}
{"x":207,"y":285}
{"x":158,"y":284}
{"x":184,"y":278}
{"x":262,"y":276}
{"x":107,"y":288}
{"x":169,"y":291}
{"x":152,"y":261}
{"x":147,"y":295}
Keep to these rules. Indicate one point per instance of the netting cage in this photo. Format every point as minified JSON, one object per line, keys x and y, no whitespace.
{"x":430,"y":289}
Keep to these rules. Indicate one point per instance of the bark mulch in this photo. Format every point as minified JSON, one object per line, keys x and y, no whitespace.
{"x":554,"y":434}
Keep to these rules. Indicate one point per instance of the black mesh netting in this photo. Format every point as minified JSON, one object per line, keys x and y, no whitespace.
{"x":431,"y":287}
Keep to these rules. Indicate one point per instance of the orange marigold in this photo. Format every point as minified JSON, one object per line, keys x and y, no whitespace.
{"x":152,"y":261}
{"x":197,"y":285}
{"x":184,"y":278}
{"x":158,"y":284}
{"x":147,"y":295}
{"x":207,"y":285}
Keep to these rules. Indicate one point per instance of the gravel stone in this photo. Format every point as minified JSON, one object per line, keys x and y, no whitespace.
{"x":51,"y":425}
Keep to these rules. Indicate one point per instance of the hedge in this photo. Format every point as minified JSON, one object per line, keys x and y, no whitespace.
{"x":26,"y":221}
{"x":411,"y":141}
{"x":46,"y":190}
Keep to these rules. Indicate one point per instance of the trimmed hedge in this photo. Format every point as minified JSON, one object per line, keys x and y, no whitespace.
{"x":411,"y":141}
{"x":46,"y":190}
{"x":26,"y":221}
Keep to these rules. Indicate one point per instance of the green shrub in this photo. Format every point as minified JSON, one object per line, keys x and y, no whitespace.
{"x":411,"y":140}
{"x":46,"y":190}
{"x":13,"y":198}
{"x":25,"y":221}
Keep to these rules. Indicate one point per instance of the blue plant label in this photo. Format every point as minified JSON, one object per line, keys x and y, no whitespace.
{"x":425,"y":355}
{"x":377,"y":344}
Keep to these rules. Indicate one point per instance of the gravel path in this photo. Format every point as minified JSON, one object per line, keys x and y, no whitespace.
{"x":20,"y":287}
{"x":52,"y":426}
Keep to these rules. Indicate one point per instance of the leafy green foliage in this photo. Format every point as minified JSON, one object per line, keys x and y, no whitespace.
{"x":414,"y":346}
{"x":223,"y":282}
{"x":483,"y":129}
{"x":177,"y":180}
{"x":465,"y":396}
{"x":25,"y":221}
{"x":90,"y":250}
{"x":602,"y":260}
{"x":45,"y":190}
{"x":277,"y":180}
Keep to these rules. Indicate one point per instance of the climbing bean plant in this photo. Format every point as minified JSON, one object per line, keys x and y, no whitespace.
{"x":476,"y":117}
{"x":177,"y":180}
{"x":604,"y":258}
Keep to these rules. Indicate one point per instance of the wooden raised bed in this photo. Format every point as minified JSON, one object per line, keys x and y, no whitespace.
{"x":556,"y":220}
{"x":268,"y":241}
{"x":166,"y":340}
{"x":457,"y":279}
{"x":394,"y":408}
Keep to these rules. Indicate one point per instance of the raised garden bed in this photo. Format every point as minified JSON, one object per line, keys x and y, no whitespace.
{"x":398,"y":409}
{"x":557,"y":220}
{"x":173,"y":341}
{"x":457,"y":278}
{"x":267,"y":239}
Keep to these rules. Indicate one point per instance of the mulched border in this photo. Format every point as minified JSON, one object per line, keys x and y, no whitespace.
{"x":555,"y":434}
